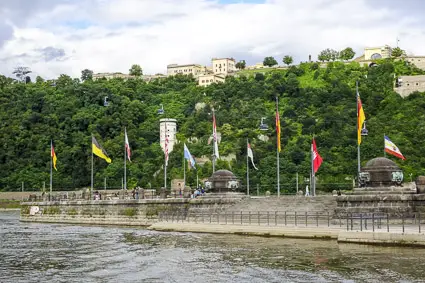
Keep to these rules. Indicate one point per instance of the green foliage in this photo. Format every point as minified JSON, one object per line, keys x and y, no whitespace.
{"x":347,"y":54}
{"x":135,"y":70}
{"x":86,"y":74}
{"x":287,"y":60}
{"x":269,"y":61}
{"x":328,"y":55}
{"x":312,"y":100}
{"x":397,"y":52}
{"x":240,"y":65}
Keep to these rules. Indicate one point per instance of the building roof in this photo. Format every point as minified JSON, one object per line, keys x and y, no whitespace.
{"x":232,"y":59}
{"x":185,"y":65}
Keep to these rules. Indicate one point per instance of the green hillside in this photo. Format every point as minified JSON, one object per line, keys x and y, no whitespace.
{"x":312,"y":100}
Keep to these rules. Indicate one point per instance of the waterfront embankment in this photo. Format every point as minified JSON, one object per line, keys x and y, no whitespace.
{"x":410,"y":237}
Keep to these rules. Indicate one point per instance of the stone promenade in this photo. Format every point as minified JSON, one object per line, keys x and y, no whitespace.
{"x":410,"y":236}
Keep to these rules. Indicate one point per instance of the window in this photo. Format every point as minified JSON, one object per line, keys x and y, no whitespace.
{"x":224,"y":70}
{"x":211,"y":80}
{"x":203,"y":81}
{"x":417,"y":83}
{"x":224,"y":65}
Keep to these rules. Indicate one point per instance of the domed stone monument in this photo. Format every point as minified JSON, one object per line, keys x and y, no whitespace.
{"x":222,"y":181}
{"x":380,"y":172}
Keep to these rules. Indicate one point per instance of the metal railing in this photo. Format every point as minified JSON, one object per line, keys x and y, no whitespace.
{"x":373,"y":222}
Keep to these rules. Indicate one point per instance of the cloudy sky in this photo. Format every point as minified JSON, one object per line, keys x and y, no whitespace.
{"x":65,"y":36}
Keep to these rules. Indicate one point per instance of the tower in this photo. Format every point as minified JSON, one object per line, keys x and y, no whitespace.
{"x":171,"y":126}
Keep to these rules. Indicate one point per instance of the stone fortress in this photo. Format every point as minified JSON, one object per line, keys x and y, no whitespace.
{"x":222,"y":67}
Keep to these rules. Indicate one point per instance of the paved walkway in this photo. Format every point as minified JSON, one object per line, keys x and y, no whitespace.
{"x":395,"y":236}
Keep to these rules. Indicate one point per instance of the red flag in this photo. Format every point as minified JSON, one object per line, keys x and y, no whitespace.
{"x":317,"y":159}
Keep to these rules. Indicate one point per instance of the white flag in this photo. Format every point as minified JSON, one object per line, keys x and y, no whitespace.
{"x":251,"y":155}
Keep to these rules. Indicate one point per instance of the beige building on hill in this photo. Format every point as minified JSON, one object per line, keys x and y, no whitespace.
{"x":194,"y":69}
{"x":109,"y":76}
{"x":374,"y":53}
{"x":223,"y":65}
{"x":208,"y":79}
{"x":406,"y":85}
{"x":206,"y":75}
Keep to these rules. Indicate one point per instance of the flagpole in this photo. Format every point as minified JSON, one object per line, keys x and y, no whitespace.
{"x":385,"y":153}
{"x":277,"y":155}
{"x":358,"y":144}
{"x":184,"y":171}
{"x":312,"y":181}
{"x":247,"y":169}
{"x":125,"y":161}
{"x":51,"y":166}
{"x":214,"y":141}
{"x":91,"y":186}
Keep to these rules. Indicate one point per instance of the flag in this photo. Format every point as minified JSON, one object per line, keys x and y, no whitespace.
{"x":360,"y":118}
{"x":251,"y":155}
{"x":391,"y":148}
{"x":317,"y":159}
{"x":215,"y":138}
{"x":127,"y":146}
{"x":98,"y":150}
{"x":166,"y":144}
{"x":278,"y":129}
{"x":189,"y":157}
{"x":53,"y":155}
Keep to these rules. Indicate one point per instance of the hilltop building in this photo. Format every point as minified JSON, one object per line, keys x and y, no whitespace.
{"x":405,"y":85}
{"x":109,"y":76}
{"x":382,"y":52}
{"x":194,"y":69}
{"x":171,"y":125}
{"x":217,"y":72}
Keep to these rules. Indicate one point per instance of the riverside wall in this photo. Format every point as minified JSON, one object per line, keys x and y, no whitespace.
{"x":130,"y":212}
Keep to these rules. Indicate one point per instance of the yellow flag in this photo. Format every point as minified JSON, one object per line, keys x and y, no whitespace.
{"x":360,"y":119}
{"x":99,"y":151}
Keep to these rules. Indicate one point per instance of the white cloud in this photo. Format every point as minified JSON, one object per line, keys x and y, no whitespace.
{"x":111,"y":35}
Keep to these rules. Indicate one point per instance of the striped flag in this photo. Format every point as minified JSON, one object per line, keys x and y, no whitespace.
{"x":278,"y":129}
{"x":392,"y":149}
{"x":215,"y":138}
{"x":127,"y":146}
{"x":53,"y":155}
{"x":166,"y":144}
{"x":360,"y":118}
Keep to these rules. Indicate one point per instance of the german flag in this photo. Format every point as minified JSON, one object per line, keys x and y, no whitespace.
{"x":278,"y":129}
{"x":53,"y":155}
{"x":99,"y":151}
{"x":360,"y":119}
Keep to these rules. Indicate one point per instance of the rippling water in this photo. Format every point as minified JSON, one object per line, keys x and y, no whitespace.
{"x":33,"y":252}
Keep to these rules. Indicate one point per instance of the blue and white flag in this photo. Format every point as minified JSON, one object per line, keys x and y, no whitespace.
{"x":189,"y":156}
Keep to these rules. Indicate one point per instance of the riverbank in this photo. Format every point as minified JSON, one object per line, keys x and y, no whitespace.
{"x":394,"y":238}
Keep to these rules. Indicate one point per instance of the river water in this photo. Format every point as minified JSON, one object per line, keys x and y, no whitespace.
{"x":33,"y":252}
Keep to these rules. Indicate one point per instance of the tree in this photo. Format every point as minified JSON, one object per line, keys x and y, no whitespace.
{"x":328,"y":55}
{"x":397,"y":52}
{"x":136,"y":70}
{"x":241,"y":65}
{"x":39,"y":80}
{"x":21,"y":73}
{"x":86,"y":74}
{"x":288,"y":60}
{"x":269,"y":61}
{"x":347,"y":54}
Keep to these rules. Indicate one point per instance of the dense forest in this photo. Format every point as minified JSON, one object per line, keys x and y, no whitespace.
{"x":313,"y":100}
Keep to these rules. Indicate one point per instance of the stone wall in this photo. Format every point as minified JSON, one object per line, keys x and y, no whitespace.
{"x":118,"y":212}
{"x":393,"y":204}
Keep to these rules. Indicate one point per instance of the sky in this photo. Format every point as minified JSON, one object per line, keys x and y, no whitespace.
{"x":54,"y":37}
